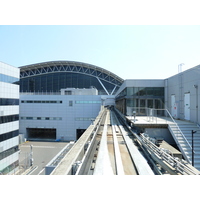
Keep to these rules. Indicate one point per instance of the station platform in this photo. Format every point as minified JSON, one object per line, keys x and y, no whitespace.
{"x":161,"y":120}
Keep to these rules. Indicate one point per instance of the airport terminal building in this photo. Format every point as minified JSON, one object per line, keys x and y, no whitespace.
{"x":60,"y":99}
{"x":53,"y":107}
{"x":179,"y":94}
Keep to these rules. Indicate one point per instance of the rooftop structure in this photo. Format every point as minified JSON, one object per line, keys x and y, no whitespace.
{"x":55,"y":75}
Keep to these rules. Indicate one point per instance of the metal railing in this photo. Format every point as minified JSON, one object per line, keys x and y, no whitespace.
{"x":167,"y":156}
{"x":162,"y":116}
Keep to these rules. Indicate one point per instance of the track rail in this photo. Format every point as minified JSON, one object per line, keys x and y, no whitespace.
{"x":115,"y":152}
{"x":110,"y":147}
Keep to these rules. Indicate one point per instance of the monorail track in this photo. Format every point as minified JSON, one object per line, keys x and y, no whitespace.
{"x":110,"y":147}
{"x":115,"y":152}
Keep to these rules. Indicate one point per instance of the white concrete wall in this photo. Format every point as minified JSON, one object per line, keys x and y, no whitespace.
{"x":72,"y":117}
{"x":183,"y":83}
{"x":9,"y":160}
{"x":9,"y":91}
{"x":8,"y":127}
{"x":7,"y":144}
{"x":9,"y":70}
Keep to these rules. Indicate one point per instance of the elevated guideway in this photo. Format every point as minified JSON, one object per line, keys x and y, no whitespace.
{"x":106,"y":148}
{"x":111,"y":147}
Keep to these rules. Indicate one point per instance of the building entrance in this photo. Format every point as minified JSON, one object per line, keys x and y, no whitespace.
{"x":149,"y":103}
{"x":41,"y":133}
{"x":187,"y":106}
{"x":79,"y":132}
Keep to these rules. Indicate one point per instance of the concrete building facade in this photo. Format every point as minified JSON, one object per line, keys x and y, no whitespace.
{"x":137,"y":95}
{"x":179,"y":94}
{"x":9,"y":119}
{"x":59,"y":117}
{"x":183,"y":95}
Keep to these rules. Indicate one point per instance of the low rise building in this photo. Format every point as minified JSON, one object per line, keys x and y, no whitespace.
{"x":63,"y":116}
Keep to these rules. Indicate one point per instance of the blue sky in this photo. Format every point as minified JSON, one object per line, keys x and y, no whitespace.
{"x":129,"y":51}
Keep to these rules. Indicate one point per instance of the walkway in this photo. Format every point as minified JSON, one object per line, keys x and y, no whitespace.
{"x":181,"y":131}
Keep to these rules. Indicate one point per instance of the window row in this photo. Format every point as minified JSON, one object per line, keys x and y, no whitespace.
{"x":84,"y":119}
{"x":41,"y":118}
{"x":8,"y":135}
{"x":54,"y":82}
{"x":86,"y":102}
{"x":28,"y":101}
{"x":9,"y":168}
{"x":8,"y":79}
{"x":143,"y":91}
{"x":9,"y":118}
{"x":8,"y":152}
{"x":7,"y":102}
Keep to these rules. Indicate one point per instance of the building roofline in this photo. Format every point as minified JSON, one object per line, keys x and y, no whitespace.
{"x":74,"y":63}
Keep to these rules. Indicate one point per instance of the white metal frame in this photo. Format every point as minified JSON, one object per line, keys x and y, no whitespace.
{"x":70,"y":66}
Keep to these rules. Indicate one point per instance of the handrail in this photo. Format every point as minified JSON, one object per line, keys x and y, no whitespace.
{"x":172,"y":161}
{"x":167,"y":123}
{"x":179,"y":131}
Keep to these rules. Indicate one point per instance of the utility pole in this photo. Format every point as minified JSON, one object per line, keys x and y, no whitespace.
{"x":193,"y":147}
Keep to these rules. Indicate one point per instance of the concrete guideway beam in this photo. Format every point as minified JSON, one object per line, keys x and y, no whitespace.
{"x":140,"y":162}
{"x":103,"y":164}
{"x":118,"y":159}
{"x":77,"y":152}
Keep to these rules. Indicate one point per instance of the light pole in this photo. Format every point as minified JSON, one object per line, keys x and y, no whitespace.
{"x":193,"y":147}
{"x":196,"y":88}
{"x":134,"y":115}
{"x":31,"y":156}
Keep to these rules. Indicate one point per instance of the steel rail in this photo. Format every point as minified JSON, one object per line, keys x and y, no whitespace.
{"x":118,"y":159}
{"x":103,"y":164}
{"x":172,"y":161}
{"x":139,"y":161}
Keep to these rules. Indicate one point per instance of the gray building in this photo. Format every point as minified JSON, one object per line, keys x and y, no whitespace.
{"x":182,"y":95}
{"x":179,"y":94}
{"x":59,"y":99}
{"x":137,"y":95}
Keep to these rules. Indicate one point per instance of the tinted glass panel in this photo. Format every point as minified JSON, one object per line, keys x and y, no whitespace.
{"x":55,"y":81}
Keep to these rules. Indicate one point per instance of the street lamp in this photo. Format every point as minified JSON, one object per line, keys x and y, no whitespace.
{"x":134,"y":115}
{"x":193,"y":147}
{"x":31,"y":156}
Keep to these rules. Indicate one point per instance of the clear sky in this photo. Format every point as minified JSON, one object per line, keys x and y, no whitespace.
{"x":129,"y":51}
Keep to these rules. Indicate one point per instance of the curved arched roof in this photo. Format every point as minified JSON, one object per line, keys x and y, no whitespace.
{"x":69,"y":66}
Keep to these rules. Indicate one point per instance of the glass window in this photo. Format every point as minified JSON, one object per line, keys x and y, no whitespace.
{"x":149,"y":91}
{"x":129,"y":91}
{"x":142,"y":91}
{"x":55,"y":81}
{"x":69,"y":92}
{"x":150,"y":103}
{"x":70,"y":103}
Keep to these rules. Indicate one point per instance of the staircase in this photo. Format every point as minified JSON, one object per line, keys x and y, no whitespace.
{"x":182,"y":134}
